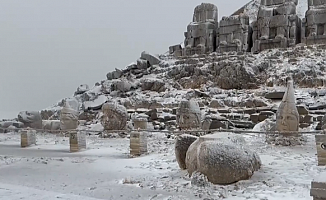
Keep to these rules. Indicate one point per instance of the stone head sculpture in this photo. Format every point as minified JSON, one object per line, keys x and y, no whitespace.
{"x":69,"y":115}
{"x":287,"y":116}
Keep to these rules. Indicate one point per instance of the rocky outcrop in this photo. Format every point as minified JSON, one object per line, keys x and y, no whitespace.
{"x":182,"y":144}
{"x":114,"y":117}
{"x":221,"y":160}
{"x":31,"y":119}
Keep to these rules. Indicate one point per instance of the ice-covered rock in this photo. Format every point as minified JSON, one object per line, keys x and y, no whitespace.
{"x":114,"y":117}
{"x":156,"y":85}
{"x":31,"y":119}
{"x":114,"y":75}
{"x":221,"y":159}
{"x":95,"y":104}
{"x":51,"y":125}
{"x":182,"y":144}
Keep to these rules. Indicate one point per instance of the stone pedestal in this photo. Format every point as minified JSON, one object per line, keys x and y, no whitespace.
{"x":321,"y":149}
{"x":27,"y":138}
{"x":77,"y":141}
{"x":138,"y":143}
{"x":318,"y":187}
{"x":138,"y":140}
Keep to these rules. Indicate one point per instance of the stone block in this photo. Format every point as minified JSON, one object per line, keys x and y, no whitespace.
{"x":138,"y":143}
{"x":77,"y":141}
{"x":318,"y":187}
{"x":321,"y":149}
{"x":27,"y":138}
{"x":140,"y":123}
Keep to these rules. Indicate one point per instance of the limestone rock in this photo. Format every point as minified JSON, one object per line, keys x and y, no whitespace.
{"x":188,"y":115}
{"x":142,"y":64}
{"x":121,"y":85}
{"x":182,"y":144}
{"x":114,"y":75}
{"x":152,"y":59}
{"x":114,"y":116}
{"x":156,"y":85}
{"x":31,"y":119}
{"x":287,"y":116}
{"x":222,"y":162}
{"x":82,"y":89}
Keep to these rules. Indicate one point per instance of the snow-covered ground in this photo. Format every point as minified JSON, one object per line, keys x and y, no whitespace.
{"x":105,"y":171}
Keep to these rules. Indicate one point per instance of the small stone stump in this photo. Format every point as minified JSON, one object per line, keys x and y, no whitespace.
{"x":318,"y":187}
{"x":321,"y":149}
{"x":138,"y":139}
{"x":77,"y":141}
{"x":27,"y":138}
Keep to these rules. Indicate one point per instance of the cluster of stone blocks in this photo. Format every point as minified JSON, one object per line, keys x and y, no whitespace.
{"x":277,"y":26}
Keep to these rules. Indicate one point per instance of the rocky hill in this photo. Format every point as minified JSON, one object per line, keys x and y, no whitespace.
{"x":235,"y":90}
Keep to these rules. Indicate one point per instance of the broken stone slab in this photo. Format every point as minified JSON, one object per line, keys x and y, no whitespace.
{"x":142,"y":64}
{"x":302,"y":110}
{"x":152,"y":59}
{"x":27,"y":138}
{"x":175,"y":50}
{"x":114,"y":75}
{"x":275,"y":95}
{"x":77,"y":140}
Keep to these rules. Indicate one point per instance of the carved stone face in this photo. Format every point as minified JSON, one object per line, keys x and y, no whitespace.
{"x":288,"y":122}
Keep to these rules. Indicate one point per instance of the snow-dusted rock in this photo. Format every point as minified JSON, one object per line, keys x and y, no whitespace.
{"x":152,"y":59}
{"x":82,"y":89}
{"x":95,"y":104}
{"x":114,"y":117}
{"x":121,"y":85}
{"x":142,"y":64}
{"x":222,"y":159}
{"x":188,"y":115}
{"x":51,"y":125}
{"x":31,"y":119}
{"x":182,"y":144}
{"x":156,"y":85}
{"x":114,"y":75}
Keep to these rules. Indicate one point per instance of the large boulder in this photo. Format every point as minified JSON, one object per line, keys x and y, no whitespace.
{"x":152,"y":59}
{"x":182,"y":144}
{"x":121,"y":85}
{"x":114,"y":116}
{"x":156,"y":85}
{"x":188,"y":115}
{"x":82,"y":89}
{"x":31,"y":119}
{"x":222,"y":159}
{"x":114,"y":75}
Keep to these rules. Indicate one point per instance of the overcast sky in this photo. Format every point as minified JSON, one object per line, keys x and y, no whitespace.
{"x":49,"y":47}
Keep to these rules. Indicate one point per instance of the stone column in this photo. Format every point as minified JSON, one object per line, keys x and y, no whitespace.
{"x":27,"y":138}
{"x":138,"y":139}
{"x":321,"y":149}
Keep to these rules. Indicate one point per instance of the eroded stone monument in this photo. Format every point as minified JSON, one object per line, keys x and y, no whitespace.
{"x":188,"y":115}
{"x":201,"y":34}
{"x":234,"y":34}
{"x":287,"y":116}
{"x":314,"y":23}
{"x":277,"y":25}
{"x":114,"y":116}
{"x":31,"y":119}
{"x":69,"y":122}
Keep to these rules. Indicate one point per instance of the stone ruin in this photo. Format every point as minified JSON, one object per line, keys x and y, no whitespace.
{"x":234,"y":34}
{"x":188,"y":115}
{"x":314,"y":23}
{"x":201,"y":32}
{"x":277,"y":25}
{"x":114,"y":116}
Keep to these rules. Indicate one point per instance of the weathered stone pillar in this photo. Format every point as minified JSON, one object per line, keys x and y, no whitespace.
{"x":77,"y":141}
{"x":321,"y":149}
{"x":27,"y":138}
{"x":318,"y":187}
{"x":138,"y":139}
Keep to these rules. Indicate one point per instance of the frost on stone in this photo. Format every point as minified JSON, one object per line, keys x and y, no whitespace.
{"x":199,"y":180}
{"x":114,"y":116}
{"x":222,"y":162}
